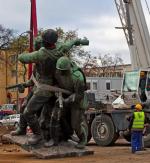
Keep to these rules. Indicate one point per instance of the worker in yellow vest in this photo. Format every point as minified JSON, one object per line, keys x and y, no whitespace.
{"x":136,"y":126}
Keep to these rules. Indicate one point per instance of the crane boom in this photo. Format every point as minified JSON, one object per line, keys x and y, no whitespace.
{"x":136,"y":31}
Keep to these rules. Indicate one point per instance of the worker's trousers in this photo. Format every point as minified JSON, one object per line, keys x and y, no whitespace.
{"x":136,"y":141}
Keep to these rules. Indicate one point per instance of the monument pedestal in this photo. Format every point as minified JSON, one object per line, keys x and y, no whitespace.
{"x":64,"y":149}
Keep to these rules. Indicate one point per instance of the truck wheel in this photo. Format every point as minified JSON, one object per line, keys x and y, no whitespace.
{"x":147,"y":138}
{"x":103,"y":131}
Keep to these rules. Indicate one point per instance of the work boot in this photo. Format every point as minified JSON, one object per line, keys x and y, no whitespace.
{"x":34,"y":139}
{"x":141,"y":152}
{"x":49,"y":143}
{"x":18,"y":131}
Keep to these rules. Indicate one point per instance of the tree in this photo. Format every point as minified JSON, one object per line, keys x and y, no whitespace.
{"x":109,"y":63}
{"x":89,"y":64}
{"x":20,"y":44}
{"x":76,"y":51}
{"x":6,"y":36}
{"x":101,"y":65}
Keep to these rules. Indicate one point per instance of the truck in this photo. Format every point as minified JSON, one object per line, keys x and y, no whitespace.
{"x":106,"y":121}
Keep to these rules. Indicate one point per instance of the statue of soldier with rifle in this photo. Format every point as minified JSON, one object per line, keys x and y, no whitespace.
{"x":45,"y":60}
{"x":69,"y":108}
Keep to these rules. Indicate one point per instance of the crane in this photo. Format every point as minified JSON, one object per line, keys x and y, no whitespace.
{"x":136,"y":31}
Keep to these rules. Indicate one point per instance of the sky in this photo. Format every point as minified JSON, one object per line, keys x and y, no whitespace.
{"x":94,"y":19}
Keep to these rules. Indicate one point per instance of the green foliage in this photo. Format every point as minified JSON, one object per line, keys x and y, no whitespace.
{"x":76,"y":51}
{"x":20,"y":44}
{"x":65,"y":36}
{"x":6,"y":36}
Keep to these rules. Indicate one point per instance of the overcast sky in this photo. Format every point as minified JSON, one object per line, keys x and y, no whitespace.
{"x":95,"y":19}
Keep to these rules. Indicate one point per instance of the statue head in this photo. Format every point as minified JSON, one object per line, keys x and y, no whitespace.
{"x":63,"y":64}
{"x":49,"y":37}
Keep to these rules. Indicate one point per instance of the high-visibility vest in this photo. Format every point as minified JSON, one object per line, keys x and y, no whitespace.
{"x":138,"y":122}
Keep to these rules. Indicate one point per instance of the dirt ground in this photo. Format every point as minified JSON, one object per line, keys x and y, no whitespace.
{"x":119,"y":153}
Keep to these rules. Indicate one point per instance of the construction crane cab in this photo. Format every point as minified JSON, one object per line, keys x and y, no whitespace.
{"x":136,"y":86}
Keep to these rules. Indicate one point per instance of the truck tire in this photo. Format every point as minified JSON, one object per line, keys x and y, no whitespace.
{"x":103,"y":131}
{"x":147,"y":138}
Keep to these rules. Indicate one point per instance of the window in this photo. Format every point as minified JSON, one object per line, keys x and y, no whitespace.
{"x":6,"y":117}
{"x":13,"y":73}
{"x":94,"y":85}
{"x":107,"y":85}
{"x":88,"y":85}
{"x":18,"y":116}
{"x":130,"y":82}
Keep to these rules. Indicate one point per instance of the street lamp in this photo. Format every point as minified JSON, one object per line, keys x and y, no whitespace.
{"x":19,"y":51}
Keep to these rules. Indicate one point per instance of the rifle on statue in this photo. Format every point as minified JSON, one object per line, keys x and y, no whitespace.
{"x":20,"y":87}
{"x":66,"y":47}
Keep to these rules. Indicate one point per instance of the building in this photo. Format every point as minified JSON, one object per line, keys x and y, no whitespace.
{"x":105,"y":82}
{"x":109,"y":71}
{"x":9,"y":76}
{"x":104,"y":88}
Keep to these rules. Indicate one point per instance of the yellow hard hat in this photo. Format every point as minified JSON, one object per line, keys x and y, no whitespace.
{"x":138,"y":107}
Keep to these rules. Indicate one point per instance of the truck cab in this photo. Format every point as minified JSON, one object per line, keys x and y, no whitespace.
{"x":136,"y":86}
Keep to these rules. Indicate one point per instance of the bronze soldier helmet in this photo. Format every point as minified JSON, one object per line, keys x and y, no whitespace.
{"x":63,"y":63}
{"x":49,"y":36}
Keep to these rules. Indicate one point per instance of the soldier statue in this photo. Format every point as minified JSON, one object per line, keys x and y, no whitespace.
{"x":45,"y":64}
{"x":45,"y":60}
{"x":69,"y":77}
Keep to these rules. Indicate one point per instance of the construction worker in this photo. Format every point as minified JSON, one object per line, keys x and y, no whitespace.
{"x":72,"y":79}
{"x":136,"y":126}
{"x":142,"y":86}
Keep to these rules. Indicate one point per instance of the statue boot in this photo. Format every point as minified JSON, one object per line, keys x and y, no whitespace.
{"x":55,"y":133}
{"x":49,"y":143}
{"x":83,"y":139}
{"x":21,"y":130}
{"x":36,"y":137}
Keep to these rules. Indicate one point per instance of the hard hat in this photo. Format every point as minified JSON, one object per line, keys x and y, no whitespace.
{"x":138,"y":107}
{"x":63,"y":63}
{"x":50,"y":36}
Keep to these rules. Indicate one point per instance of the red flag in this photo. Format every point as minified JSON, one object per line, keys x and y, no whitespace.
{"x":34,"y":18}
{"x":33,"y":29}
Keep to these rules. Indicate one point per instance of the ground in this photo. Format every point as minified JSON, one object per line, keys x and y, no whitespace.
{"x":119,"y":153}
